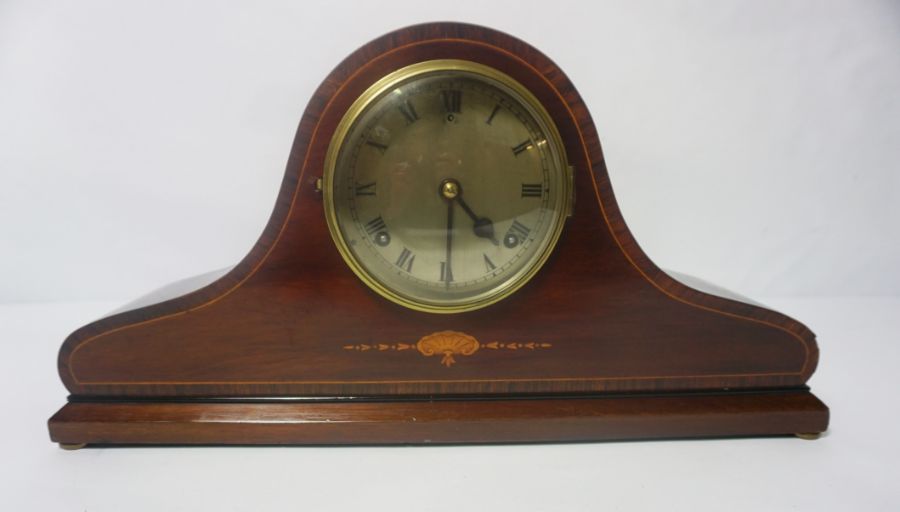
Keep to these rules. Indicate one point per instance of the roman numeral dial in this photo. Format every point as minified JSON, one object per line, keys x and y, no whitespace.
{"x":446,"y":272}
{"x":522,"y":147}
{"x":493,"y":114}
{"x":366,"y":189}
{"x":375,"y":225}
{"x":488,"y":264}
{"x":452,"y":101}
{"x":409,"y":112}
{"x":381,"y":147}
{"x":447,"y":189}
{"x":405,"y":260}
{"x":532,"y":189}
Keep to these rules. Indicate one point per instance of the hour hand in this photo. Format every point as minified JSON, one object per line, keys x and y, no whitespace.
{"x":484,"y":227}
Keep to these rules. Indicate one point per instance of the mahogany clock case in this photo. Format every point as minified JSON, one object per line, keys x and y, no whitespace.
{"x":290,"y":346}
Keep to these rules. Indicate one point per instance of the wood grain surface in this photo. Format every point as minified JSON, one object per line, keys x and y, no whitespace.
{"x":441,"y":421}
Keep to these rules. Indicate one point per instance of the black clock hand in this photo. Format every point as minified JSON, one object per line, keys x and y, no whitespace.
{"x":484,"y":227}
{"x":447,"y":274}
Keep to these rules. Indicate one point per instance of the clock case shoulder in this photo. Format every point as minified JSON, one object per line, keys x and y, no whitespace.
{"x":616,"y":322}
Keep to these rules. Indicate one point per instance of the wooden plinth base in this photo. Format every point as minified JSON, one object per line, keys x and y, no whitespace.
{"x":440,"y":421}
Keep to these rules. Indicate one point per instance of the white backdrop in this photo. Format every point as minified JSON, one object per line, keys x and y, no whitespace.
{"x":750,"y":143}
{"x":753,"y":144}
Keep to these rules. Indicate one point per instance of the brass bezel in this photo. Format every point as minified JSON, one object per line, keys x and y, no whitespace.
{"x":388,"y":83}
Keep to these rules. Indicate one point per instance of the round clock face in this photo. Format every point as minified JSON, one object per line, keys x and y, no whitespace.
{"x":446,"y":186}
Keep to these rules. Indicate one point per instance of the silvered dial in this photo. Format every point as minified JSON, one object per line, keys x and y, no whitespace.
{"x":446,"y":186}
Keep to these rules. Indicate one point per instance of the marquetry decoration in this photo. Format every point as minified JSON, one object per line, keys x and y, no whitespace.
{"x":447,"y":344}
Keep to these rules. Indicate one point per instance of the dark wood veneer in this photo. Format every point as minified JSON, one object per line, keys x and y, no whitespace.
{"x":453,"y":421}
{"x":279,"y":323}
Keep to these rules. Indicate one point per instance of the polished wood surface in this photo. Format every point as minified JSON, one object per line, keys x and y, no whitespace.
{"x":444,"y":421}
{"x":292,"y":320}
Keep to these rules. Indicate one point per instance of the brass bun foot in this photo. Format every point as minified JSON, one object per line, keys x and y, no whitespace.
{"x":72,"y":446}
{"x":808,"y":436}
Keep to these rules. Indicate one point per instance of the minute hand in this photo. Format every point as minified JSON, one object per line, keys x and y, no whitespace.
{"x":484,"y":227}
{"x":447,"y":272}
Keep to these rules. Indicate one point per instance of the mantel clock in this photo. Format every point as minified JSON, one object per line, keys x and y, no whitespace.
{"x":445,"y":263}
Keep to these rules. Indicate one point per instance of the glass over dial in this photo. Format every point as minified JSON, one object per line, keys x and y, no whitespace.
{"x":446,"y":186}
